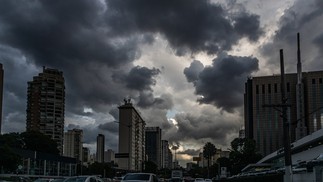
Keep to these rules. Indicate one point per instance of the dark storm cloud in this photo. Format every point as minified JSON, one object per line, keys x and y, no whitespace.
{"x":303,"y":18}
{"x":207,"y":126}
{"x":111,"y":127}
{"x":141,"y":78}
{"x":186,"y":24}
{"x":147,"y":99}
{"x":248,"y":25}
{"x":222,"y":84}
{"x":193,"y":71}
{"x":190,"y":152}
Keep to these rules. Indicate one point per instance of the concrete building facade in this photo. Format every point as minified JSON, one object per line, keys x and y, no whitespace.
{"x":109,"y":156}
{"x":153,"y":145}
{"x":46,"y":105}
{"x":131,"y":138}
{"x":73,"y":144}
{"x":264,"y":124}
{"x":166,"y":155}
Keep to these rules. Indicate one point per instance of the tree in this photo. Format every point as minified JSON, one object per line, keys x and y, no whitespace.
{"x":243,"y":152}
{"x":37,"y":141}
{"x":150,"y":167}
{"x":209,"y":151}
{"x":9,"y":160}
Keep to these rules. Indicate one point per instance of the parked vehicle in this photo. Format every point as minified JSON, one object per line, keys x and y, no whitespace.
{"x":144,"y":177}
{"x":84,"y":179}
{"x":199,"y":180}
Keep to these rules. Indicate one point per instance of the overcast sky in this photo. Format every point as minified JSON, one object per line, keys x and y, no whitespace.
{"x":182,"y":62}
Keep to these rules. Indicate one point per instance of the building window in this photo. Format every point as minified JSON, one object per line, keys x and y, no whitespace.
{"x":275,"y":87}
{"x":263,"y":89}
{"x":269,"y":88}
{"x":320,"y":80}
{"x":313,"y":81}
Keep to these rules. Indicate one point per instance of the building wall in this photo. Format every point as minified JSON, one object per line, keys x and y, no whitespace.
{"x":265,"y":122}
{"x":73,"y":143}
{"x":109,"y":156}
{"x":85,"y":155}
{"x":153,"y":145}
{"x":46,"y":105}
{"x":1,"y":94}
{"x":131,"y":137}
{"x":100,"y":144}
{"x":314,"y":100}
{"x":166,"y":155}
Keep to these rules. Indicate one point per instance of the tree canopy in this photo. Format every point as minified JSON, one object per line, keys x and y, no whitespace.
{"x":243,"y":152}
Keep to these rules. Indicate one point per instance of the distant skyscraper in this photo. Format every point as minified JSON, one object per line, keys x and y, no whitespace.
{"x":131,"y":138}
{"x":153,"y":145}
{"x":85,"y":155}
{"x":73,"y":144}
{"x":100,"y":148}
{"x":109,"y":156}
{"x":166,"y":156}
{"x":1,"y":95}
{"x":46,"y":104}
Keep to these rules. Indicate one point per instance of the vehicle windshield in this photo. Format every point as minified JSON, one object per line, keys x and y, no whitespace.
{"x":137,"y":177}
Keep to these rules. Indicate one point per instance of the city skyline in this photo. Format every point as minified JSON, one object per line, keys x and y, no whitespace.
{"x":184,"y":66}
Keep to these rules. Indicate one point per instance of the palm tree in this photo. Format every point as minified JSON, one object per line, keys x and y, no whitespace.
{"x":208,"y":151}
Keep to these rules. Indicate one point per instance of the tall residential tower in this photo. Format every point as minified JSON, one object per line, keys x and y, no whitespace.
{"x":73,"y":144}
{"x":131,"y":138}
{"x":46,"y":104}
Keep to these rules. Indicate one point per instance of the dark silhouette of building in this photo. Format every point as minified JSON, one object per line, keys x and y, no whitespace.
{"x":46,"y":104}
{"x":153,"y":145}
{"x":100,"y":145}
{"x":131,"y":154}
{"x":1,"y":94}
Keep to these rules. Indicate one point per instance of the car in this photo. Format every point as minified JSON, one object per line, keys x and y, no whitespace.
{"x":208,"y":180}
{"x":83,"y":179}
{"x":147,"y":177}
{"x":58,"y":180}
{"x":43,"y":180}
{"x":199,"y":180}
{"x":117,"y":179}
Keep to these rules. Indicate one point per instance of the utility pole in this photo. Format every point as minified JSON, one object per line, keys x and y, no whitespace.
{"x":288,"y":168}
{"x":288,"y":177}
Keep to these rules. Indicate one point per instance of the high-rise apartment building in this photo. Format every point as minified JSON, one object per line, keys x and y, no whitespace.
{"x":86,"y":155}
{"x":166,"y":155}
{"x":109,"y":156}
{"x":264,"y":124}
{"x":1,"y":94}
{"x":131,"y":138}
{"x":46,"y":104}
{"x":153,"y":145}
{"x":73,"y":144}
{"x":100,"y":145}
